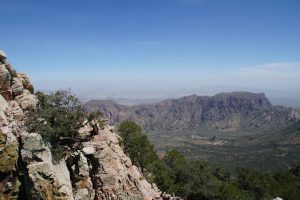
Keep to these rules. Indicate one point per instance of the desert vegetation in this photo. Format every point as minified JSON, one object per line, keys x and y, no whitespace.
{"x":196,"y":179}
{"x":57,"y":118}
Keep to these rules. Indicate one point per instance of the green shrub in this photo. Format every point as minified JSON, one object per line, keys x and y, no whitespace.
{"x":57,"y":118}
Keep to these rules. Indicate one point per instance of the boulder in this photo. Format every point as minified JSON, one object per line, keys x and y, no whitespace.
{"x":3,"y":103}
{"x":45,"y":180}
{"x":85,"y":130}
{"x":34,"y":149}
{"x":4,"y":78}
{"x":15,"y":111}
{"x":88,"y":150}
{"x":11,"y":70}
{"x":25,"y":81}
{"x":3,"y":56}
{"x":83,"y":194}
{"x":26,"y":100}
{"x":17,"y":87}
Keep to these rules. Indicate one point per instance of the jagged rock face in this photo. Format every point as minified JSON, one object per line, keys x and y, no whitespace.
{"x":114,"y":176}
{"x":99,"y":170}
{"x":13,"y":97}
{"x":223,"y":111}
{"x":45,"y":180}
{"x":104,"y":173}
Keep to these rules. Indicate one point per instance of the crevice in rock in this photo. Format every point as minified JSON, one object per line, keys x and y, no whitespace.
{"x":95,"y":166}
{"x":69,"y":162}
{"x":22,"y":173}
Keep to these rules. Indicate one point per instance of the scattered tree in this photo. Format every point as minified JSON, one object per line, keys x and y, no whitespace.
{"x":137,"y":146}
{"x":57,"y":118}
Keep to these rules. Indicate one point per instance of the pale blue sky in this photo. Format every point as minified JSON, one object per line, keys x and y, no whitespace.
{"x":144,"y":48}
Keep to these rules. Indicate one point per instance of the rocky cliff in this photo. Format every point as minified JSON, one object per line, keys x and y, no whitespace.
{"x":15,"y":101}
{"x":99,"y":169}
{"x":225,"y":111}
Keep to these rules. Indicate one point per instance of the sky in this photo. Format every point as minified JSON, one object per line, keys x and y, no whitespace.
{"x":155,"y":48}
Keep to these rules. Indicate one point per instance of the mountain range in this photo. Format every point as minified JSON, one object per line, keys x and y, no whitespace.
{"x":228,"y":129}
{"x":224,"y":111}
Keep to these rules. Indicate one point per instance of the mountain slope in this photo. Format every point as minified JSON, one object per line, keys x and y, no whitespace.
{"x":225,"y":111}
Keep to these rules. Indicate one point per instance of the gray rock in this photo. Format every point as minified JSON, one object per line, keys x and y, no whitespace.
{"x":112,"y":177}
{"x":83,"y":194}
{"x":3,"y":103}
{"x":33,"y":142}
{"x":45,"y":180}
{"x":26,"y":100}
{"x":80,"y":176}
{"x":25,"y":81}
{"x":3,"y":55}
{"x":17,"y":87}
{"x":83,"y":167}
{"x":88,"y":150}
{"x":4,"y":78}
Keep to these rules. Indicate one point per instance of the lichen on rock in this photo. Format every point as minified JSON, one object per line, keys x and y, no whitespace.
{"x":8,"y":157}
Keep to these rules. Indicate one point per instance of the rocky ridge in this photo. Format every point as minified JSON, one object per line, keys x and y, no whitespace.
{"x":98,"y":170}
{"x":225,"y":111}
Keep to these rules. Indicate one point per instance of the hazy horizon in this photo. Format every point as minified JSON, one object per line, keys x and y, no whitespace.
{"x":132,"y":97}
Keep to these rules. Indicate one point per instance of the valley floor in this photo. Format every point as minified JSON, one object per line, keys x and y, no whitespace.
{"x":276,"y":150}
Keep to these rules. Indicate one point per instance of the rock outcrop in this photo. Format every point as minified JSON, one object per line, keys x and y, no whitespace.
{"x":44,"y":180}
{"x":99,"y":169}
{"x":15,"y":102}
{"x":116,"y":175}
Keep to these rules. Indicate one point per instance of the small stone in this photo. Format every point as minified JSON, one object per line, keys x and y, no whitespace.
{"x":9,"y":185}
{"x":128,"y":163}
{"x":88,"y":150}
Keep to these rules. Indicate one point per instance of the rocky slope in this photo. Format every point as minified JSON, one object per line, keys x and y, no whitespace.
{"x":97,"y":170}
{"x":225,"y":111}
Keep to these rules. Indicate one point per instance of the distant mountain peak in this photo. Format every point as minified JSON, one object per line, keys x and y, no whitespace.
{"x":231,"y":110}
